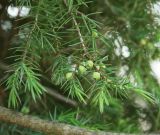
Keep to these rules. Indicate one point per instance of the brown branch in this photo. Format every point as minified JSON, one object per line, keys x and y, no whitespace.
{"x":60,"y":97}
{"x":48,"y":127}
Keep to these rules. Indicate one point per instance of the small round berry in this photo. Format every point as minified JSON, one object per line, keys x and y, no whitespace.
{"x":96,"y":75}
{"x":82,"y":69}
{"x":143,"y":42}
{"x":90,"y":64}
{"x":94,"y":33}
{"x":69,"y":75}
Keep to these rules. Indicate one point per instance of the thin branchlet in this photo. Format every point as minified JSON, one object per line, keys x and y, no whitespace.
{"x":78,"y":30}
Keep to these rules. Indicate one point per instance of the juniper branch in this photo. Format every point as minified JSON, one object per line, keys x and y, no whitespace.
{"x":78,"y":30}
{"x":49,"y":91}
{"x":79,"y":33}
{"x":48,"y":127}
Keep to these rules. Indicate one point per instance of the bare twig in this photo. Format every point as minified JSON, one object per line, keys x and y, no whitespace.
{"x":60,"y":97}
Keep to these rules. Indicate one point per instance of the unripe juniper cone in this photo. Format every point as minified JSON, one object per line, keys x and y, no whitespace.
{"x":69,"y":75}
{"x":90,"y":64}
{"x":143,"y":42}
{"x":94,"y":34}
{"x":82,"y":69}
{"x":96,"y":75}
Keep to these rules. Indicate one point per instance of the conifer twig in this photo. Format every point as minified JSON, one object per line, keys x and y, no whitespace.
{"x":30,"y":34}
{"x":79,"y":33}
{"x":78,"y":30}
{"x":49,"y":90}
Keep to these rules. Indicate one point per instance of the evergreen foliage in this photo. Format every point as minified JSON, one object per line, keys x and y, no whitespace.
{"x":71,"y":45}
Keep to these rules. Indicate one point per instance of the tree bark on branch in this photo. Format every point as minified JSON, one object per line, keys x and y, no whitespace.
{"x":47,"y":127}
